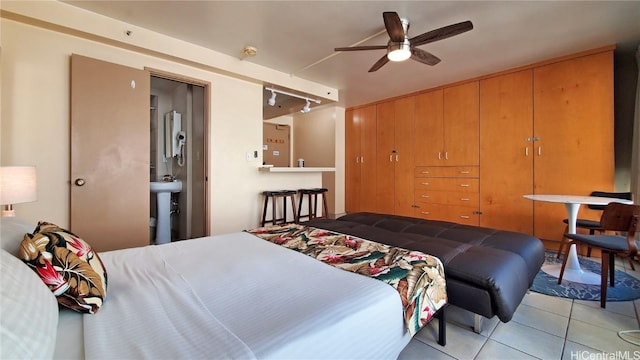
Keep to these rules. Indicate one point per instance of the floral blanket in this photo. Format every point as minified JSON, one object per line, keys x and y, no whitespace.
{"x":418,"y":278}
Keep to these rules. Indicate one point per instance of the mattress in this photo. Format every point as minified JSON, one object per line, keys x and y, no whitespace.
{"x":234,"y":296}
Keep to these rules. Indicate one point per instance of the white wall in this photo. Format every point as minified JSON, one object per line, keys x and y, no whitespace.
{"x":35,"y":120}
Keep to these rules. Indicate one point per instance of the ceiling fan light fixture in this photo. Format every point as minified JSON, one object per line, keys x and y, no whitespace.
{"x":399,"y":51}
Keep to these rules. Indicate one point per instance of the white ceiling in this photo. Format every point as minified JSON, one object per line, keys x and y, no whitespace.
{"x":291,"y":36}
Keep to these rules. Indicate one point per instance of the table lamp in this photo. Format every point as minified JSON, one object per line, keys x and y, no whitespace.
{"x":17,"y":185}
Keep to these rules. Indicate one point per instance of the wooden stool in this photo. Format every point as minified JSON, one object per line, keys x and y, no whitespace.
{"x":274,"y":196}
{"x":313,"y":203}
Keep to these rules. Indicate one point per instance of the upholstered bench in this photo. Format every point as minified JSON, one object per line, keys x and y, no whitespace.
{"x":488,"y":271}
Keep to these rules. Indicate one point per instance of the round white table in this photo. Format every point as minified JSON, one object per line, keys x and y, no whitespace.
{"x":573,"y":271}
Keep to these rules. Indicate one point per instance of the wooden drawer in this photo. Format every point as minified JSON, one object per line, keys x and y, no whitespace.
{"x":448,"y":184}
{"x":448,"y":197}
{"x":457,"y":214}
{"x":447,"y":171}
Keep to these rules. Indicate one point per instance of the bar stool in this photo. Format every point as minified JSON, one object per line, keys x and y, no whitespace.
{"x":274,"y":196}
{"x":312,"y":202}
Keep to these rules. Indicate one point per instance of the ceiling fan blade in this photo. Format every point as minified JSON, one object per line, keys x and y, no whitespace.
{"x":355,"y":48}
{"x":383,"y":60}
{"x":393,"y":24}
{"x":441,"y":33}
{"x":424,"y":57}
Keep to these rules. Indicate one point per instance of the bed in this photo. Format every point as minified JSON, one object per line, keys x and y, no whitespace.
{"x":226,"y":296}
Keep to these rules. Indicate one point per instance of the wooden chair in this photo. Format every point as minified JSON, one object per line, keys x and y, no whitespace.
{"x":594,"y":225}
{"x":615,"y":217}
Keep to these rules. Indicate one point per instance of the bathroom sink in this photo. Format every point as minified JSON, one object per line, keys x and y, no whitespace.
{"x":166,"y":186}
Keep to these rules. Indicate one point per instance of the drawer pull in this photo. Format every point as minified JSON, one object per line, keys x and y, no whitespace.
{"x":424,"y":212}
{"x":464,"y":216}
{"x":425,"y":172}
{"x":464,"y":199}
{"x":465,"y":172}
{"x":465,"y":185}
{"x":425,"y":183}
{"x":424,"y":196}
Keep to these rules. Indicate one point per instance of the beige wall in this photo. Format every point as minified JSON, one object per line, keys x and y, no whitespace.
{"x":319,"y":140}
{"x":35,"y":113}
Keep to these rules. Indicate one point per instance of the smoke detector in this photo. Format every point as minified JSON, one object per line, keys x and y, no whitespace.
{"x":249,"y":51}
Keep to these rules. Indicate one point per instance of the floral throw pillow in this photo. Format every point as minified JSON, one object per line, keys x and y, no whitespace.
{"x":67,"y":265}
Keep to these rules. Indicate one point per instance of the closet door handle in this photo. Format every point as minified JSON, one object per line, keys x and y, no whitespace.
{"x":79,"y":182}
{"x":390,"y":158}
{"x":526,"y":151}
{"x":439,"y":155}
{"x":446,"y":155}
{"x":357,"y":159}
{"x":397,"y":157}
{"x":362,"y":159}
{"x":539,"y":150}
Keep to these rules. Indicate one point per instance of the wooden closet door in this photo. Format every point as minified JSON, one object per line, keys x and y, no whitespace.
{"x":461,"y":125}
{"x":368,"y":161}
{"x":506,"y":154}
{"x":385,"y":159}
{"x":573,"y":119}
{"x":404,"y":110}
{"x":429,"y":131}
{"x":352,"y":161}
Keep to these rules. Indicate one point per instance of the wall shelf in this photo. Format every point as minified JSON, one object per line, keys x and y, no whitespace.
{"x":295,"y":169}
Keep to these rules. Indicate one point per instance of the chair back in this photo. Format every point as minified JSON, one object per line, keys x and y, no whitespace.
{"x":617,"y":195}
{"x":621,"y":217}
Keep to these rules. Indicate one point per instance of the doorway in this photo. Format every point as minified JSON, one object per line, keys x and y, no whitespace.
{"x":276,"y":145}
{"x":178,"y":152}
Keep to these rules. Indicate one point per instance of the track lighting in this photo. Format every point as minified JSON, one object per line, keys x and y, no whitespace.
{"x":305,"y":109}
{"x":272,"y":99}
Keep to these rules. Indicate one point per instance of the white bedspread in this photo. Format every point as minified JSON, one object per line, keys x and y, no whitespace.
{"x":237,"y":296}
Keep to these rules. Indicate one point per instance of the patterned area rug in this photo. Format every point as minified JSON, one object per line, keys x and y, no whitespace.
{"x":626,"y":286}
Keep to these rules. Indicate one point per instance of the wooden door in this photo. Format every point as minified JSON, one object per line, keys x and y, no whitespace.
{"x":506,"y":153}
{"x":573,"y":120}
{"x":385,"y":157}
{"x":352,"y":161}
{"x":276,"y":138}
{"x":404,"y":160}
{"x":368,"y":158}
{"x":429,"y":132}
{"x":110,"y":137}
{"x":461,"y":124}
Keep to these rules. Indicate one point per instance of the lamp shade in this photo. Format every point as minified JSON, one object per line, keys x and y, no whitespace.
{"x":17,"y":184}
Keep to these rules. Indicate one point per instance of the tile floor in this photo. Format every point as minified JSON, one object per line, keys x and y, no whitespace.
{"x":543,"y":327}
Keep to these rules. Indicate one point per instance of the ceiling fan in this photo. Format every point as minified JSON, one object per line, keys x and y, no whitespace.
{"x":401,"y":47}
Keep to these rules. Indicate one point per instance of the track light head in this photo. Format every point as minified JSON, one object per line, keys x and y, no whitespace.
{"x":272,"y":99}
{"x":307,"y":107}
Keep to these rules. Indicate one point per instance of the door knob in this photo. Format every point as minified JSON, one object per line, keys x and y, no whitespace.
{"x":79,"y":182}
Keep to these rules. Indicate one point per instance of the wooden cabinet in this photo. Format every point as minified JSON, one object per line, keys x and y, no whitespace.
{"x":545,"y":130}
{"x":394,"y":167}
{"x":360,"y":159}
{"x":447,"y":124}
{"x":573,"y":124}
{"x":447,"y":193}
{"x":481,"y":145}
{"x":506,"y":151}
